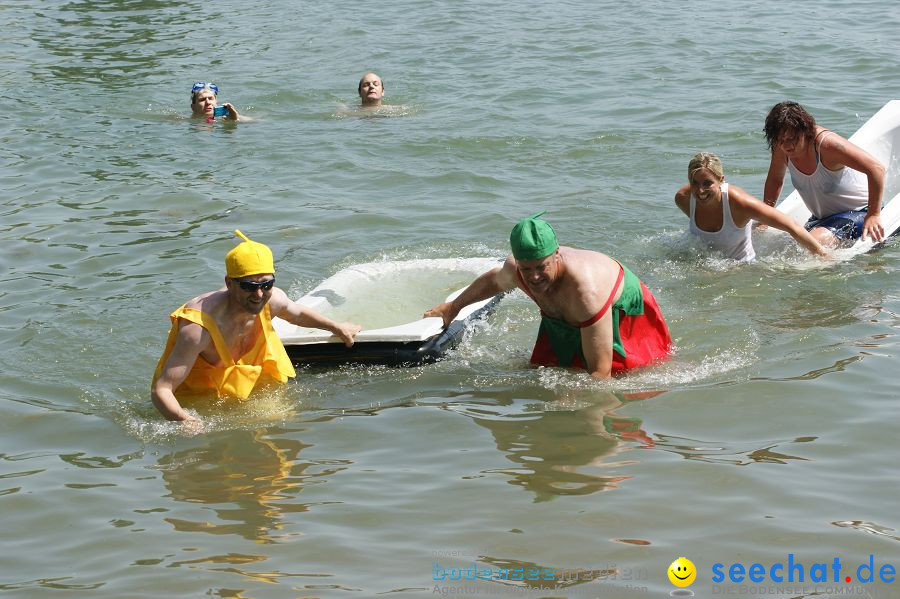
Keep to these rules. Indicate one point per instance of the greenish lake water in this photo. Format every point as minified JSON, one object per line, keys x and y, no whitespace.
{"x":771,"y":432}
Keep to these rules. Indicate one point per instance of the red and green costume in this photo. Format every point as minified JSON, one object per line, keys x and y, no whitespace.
{"x":640,"y":335}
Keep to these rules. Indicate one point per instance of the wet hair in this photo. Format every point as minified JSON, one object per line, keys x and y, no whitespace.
{"x":788,"y":116}
{"x":194,"y":94}
{"x":359,"y":86}
{"x":706,"y":160}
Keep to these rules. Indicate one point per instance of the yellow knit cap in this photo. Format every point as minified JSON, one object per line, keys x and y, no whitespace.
{"x":249,"y":258}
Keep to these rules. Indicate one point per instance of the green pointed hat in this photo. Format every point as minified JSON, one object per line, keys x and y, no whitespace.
{"x":532,"y":238}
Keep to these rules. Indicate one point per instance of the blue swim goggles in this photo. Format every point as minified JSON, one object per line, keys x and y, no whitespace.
{"x":203,"y":85}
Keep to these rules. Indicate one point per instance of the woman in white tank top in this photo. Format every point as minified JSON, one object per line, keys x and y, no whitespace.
{"x":720,"y":213}
{"x":832,"y":175}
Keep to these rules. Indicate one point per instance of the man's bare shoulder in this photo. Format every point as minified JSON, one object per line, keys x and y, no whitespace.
{"x":207,"y":302}
{"x":591,"y":275}
{"x":279,"y":302}
{"x":588,"y":254}
{"x":586,"y":263}
{"x":193,"y":335}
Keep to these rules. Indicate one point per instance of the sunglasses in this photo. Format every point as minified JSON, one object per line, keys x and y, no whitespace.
{"x":203,"y":85}
{"x":252,"y":286}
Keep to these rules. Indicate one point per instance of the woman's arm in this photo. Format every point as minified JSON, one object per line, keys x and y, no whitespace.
{"x":837,"y":152}
{"x":683,"y":199}
{"x":775,"y":178}
{"x":745,"y":207}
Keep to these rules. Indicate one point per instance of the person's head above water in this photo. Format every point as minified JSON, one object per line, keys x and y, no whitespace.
{"x":371,"y":89}
{"x":788,"y":119}
{"x":250,"y":275}
{"x":708,"y":161}
{"x":533,"y":238}
{"x":204,"y":98}
{"x":249,"y":258}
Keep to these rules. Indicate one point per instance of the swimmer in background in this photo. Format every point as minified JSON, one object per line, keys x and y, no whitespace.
{"x":204,"y":99}
{"x":371,"y":90}
{"x":371,"y":95}
{"x":720,"y":213}
{"x":839,"y":182}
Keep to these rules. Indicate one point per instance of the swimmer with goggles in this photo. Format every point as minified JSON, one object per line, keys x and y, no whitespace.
{"x":205,"y":104}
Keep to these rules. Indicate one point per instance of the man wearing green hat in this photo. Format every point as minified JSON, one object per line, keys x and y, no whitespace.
{"x":222,"y":343}
{"x":595,"y":313}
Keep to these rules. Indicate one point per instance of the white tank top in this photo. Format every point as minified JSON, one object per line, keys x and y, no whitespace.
{"x":828,"y":192}
{"x":731,"y":240}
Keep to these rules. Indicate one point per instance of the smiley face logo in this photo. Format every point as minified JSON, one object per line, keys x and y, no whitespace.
{"x":682,"y":572}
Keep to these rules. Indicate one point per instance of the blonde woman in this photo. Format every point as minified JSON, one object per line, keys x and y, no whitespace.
{"x":720,"y":213}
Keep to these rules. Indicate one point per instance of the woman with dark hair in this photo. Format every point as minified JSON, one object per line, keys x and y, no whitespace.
{"x":839,"y":182}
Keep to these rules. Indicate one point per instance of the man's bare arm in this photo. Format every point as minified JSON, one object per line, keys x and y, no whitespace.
{"x":191,"y":340}
{"x":302,"y":316}
{"x":596,"y":343}
{"x":489,"y":284}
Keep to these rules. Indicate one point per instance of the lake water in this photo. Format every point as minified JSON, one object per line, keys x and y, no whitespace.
{"x":771,"y":432}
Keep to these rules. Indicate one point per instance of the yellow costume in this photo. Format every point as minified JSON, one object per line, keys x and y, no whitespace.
{"x":265,"y":362}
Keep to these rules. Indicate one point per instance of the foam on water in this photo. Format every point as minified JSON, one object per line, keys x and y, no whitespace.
{"x":272,"y":406}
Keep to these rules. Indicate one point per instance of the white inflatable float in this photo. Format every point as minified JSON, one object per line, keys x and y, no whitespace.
{"x":880,"y":136}
{"x":388,"y":299}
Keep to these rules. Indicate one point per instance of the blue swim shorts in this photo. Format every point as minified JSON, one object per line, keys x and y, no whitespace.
{"x":843,"y":225}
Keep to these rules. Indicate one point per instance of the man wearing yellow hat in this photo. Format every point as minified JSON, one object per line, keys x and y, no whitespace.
{"x":223,"y":342}
{"x":595,"y":313}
